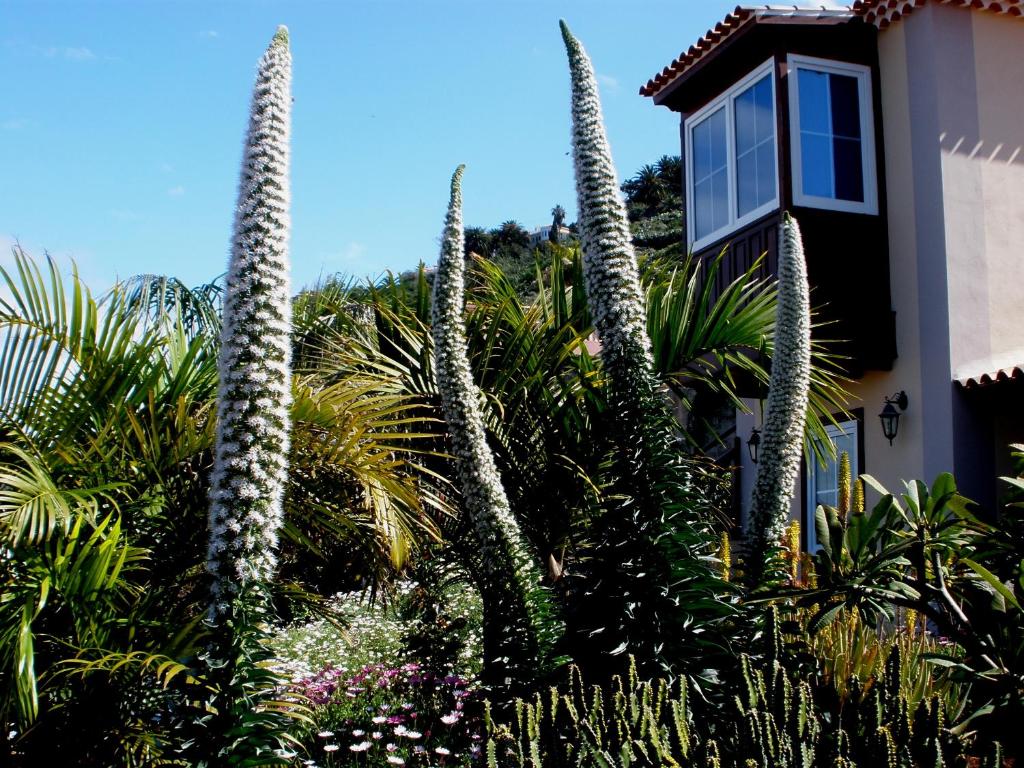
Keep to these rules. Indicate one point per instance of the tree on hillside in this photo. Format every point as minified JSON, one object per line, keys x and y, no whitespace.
{"x":670,"y":171}
{"x":510,"y":235}
{"x":479,"y":241}
{"x":557,"y":222}
{"x":655,"y":188}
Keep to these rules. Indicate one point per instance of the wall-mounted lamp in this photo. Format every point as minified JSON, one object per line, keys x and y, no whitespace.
{"x":890,"y":416}
{"x":754,"y":443}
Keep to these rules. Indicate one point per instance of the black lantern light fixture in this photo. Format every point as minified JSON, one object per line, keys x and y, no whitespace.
{"x":754,"y":443}
{"x":890,"y":416}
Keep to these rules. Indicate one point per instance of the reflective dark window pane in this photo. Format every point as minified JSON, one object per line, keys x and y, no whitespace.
{"x":754,"y":116}
{"x":720,"y":198}
{"x":765,"y":108}
{"x":816,"y":161}
{"x":812,"y":88}
{"x":716,"y":124}
{"x":766,"y":172}
{"x":746,"y":121}
{"x":702,"y":213}
{"x":845,"y":106}
{"x":849,"y":175}
{"x":710,"y":194}
{"x":746,"y":182}
{"x":830,"y":135}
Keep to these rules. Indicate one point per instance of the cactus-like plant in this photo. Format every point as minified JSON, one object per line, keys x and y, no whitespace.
{"x":254,"y":395}
{"x":609,"y":262}
{"x":252,"y":439}
{"x":519,"y":629}
{"x":782,"y":434}
{"x":659,"y":591}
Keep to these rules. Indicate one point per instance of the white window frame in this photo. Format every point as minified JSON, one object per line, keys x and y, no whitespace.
{"x":844,"y":429}
{"x":867,"y":134}
{"x":727,"y":99}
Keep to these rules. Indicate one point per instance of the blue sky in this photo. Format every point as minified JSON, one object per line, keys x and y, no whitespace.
{"x":121,"y":122}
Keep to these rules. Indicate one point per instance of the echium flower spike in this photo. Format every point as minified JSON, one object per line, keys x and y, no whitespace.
{"x":783,"y":431}
{"x":254,"y":395}
{"x":522,"y":627}
{"x":609,"y":262}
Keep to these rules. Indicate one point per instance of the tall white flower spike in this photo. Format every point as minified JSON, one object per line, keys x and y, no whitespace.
{"x":254,"y":395}
{"x":609,"y":262}
{"x":516,"y":635}
{"x":783,"y":431}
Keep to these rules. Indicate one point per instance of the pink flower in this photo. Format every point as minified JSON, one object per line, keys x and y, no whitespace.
{"x":360,"y":747}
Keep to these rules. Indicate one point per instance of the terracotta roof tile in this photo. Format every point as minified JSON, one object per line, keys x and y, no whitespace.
{"x":1009,"y":373}
{"x":881,"y":13}
{"x":738,"y":18}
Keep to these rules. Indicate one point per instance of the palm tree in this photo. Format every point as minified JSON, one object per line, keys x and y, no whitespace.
{"x":557,"y":222}
{"x":645,"y":188}
{"x":510,"y":235}
{"x":106,"y":434}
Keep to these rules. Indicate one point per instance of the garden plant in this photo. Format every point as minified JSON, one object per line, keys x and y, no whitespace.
{"x":455,"y":518}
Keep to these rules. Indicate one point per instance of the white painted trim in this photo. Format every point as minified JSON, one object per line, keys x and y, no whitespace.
{"x":867,"y":134}
{"x":726,"y":99}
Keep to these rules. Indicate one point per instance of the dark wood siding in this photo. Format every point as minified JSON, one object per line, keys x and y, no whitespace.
{"x":847,"y":253}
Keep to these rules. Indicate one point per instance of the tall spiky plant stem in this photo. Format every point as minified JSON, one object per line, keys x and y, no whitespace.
{"x":654,"y":549}
{"x":519,"y":626}
{"x":609,"y":262}
{"x":252,"y":439}
{"x":254,"y":395}
{"x":783,"y":431}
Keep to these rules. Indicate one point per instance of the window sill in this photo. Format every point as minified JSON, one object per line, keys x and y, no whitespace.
{"x":734,"y":227}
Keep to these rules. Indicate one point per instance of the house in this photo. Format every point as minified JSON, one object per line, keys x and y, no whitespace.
{"x":893,"y":130}
{"x":543,"y":234}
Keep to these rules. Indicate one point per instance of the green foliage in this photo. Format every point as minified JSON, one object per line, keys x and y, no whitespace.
{"x":774,"y":718}
{"x":633,"y":721}
{"x":923,"y":553}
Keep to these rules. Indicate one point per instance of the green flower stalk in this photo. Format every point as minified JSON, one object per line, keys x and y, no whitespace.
{"x":843,"y":500}
{"x":518,"y":629}
{"x":254,"y":395}
{"x":783,"y":430}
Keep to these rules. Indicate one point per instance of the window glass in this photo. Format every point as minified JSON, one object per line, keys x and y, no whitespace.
{"x":830,"y":140}
{"x":823,"y":482}
{"x":710,"y":174}
{"x":755,"y":146}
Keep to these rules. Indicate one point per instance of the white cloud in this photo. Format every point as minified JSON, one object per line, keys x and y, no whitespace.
{"x":209,"y":33}
{"x":609,"y":82}
{"x":71,"y":53}
{"x":177,"y":191}
{"x":352,"y":253}
{"x":79,"y":54}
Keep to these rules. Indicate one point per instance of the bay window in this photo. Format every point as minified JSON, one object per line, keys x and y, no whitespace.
{"x":731,"y":158}
{"x":831,"y":135}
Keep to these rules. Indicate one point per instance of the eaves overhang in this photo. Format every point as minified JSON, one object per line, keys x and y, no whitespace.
{"x":741,"y":19}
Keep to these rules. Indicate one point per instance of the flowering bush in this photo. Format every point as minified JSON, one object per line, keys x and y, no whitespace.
{"x":385,"y":716}
{"x":411,"y":628}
